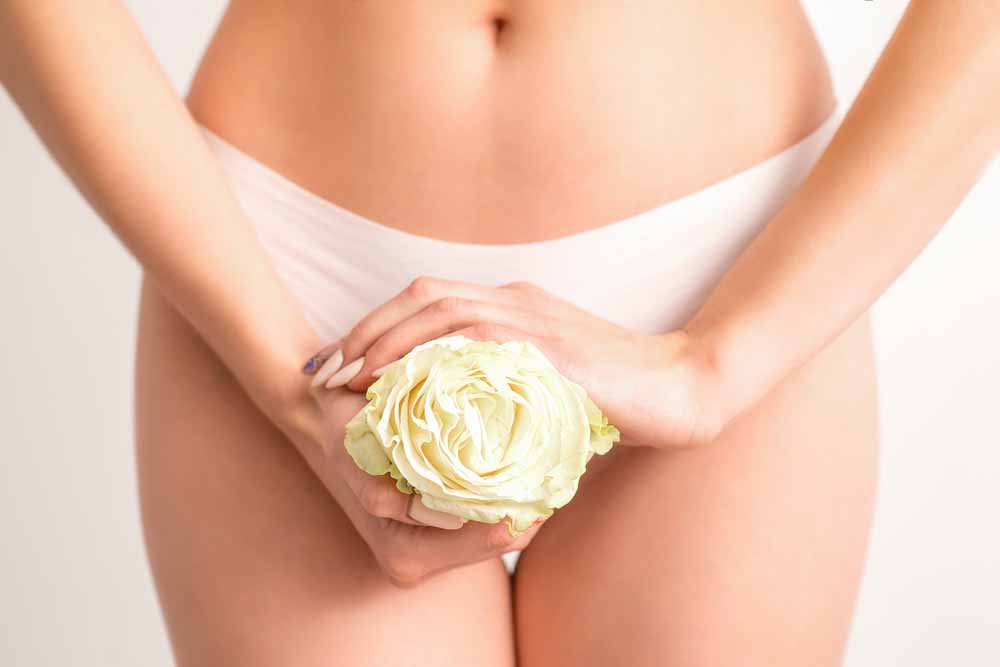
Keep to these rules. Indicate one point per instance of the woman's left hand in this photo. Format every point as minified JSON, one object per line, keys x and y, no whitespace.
{"x":657,"y":389}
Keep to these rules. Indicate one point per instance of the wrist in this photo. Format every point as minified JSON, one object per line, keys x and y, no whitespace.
{"x":272,"y":377}
{"x":693,"y":365}
{"x":291,"y":404}
{"x":728,"y":388}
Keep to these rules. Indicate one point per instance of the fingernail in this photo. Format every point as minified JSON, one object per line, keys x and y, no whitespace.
{"x":345,"y":374}
{"x":423,"y":514}
{"x":381,"y":369}
{"x":329,"y":368}
{"x":315,"y":362}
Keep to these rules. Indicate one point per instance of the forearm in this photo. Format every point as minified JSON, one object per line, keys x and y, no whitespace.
{"x":919,"y":135}
{"x":88,"y":83}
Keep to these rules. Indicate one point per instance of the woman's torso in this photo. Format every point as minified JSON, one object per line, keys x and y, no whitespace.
{"x":504,"y":122}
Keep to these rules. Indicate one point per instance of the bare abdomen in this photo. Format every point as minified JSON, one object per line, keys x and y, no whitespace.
{"x":506,"y":122}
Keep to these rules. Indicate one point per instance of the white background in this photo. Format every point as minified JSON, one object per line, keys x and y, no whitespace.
{"x":74,"y":585}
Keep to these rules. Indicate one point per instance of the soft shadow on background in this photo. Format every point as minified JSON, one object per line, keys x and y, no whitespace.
{"x":74,"y":585}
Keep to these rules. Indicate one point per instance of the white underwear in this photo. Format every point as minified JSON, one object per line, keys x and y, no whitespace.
{"x":649,"y":272}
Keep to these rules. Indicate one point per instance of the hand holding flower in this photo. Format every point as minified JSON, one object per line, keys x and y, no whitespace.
{"x":481,"y":430}
{"x":410,"y":542}
{"x":659,"y":390}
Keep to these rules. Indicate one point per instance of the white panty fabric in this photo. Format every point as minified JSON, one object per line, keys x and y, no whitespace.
{"x":649,"y":272}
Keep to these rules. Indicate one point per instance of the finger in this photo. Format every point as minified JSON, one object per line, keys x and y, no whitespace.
{"x":501,"y":334}
{"x":420,"y":513}
{"x":557,"y":308}
{"x":420,"y":293}
{"x":439,"y":318}
{"x":379,"y":496}
{"x":344,"y":374}
{"x":485,"y":331}
{"x":438,"y":550}
{"x":328,"y":369}
{"x":549,"y":345}
{"x":317,"y":361}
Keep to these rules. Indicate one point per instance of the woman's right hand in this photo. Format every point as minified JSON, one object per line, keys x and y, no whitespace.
{"x":399,"y":530}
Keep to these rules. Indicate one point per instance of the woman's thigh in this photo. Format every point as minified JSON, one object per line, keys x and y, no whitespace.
{"x":254,"y":563}
{"x":746,"y":552}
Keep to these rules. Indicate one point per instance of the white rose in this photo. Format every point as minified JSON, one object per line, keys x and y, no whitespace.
{"x":479,"y":429}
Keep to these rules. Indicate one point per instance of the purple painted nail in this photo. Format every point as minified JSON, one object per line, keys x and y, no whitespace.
{"x":311,"y":365}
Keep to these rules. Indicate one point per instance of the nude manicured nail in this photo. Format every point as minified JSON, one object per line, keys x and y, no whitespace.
{"x":345,"y":374}
{"x":381,"y":369}
{"x":328,"y":369}
{"x":423,"y":514}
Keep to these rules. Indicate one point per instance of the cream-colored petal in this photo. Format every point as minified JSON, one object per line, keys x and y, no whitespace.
{"x":483,"y":430}
{"x":364,"y":448}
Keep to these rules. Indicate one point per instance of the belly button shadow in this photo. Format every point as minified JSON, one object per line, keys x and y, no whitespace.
{"x":499,"y":27}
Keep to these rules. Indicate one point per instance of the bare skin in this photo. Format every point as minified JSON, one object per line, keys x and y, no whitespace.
{"x":509,"y":122}
{"x":258,"y":565}
{"x":472,"y":176}
{"x":631,"y":107}
{"x":748,"y":550}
